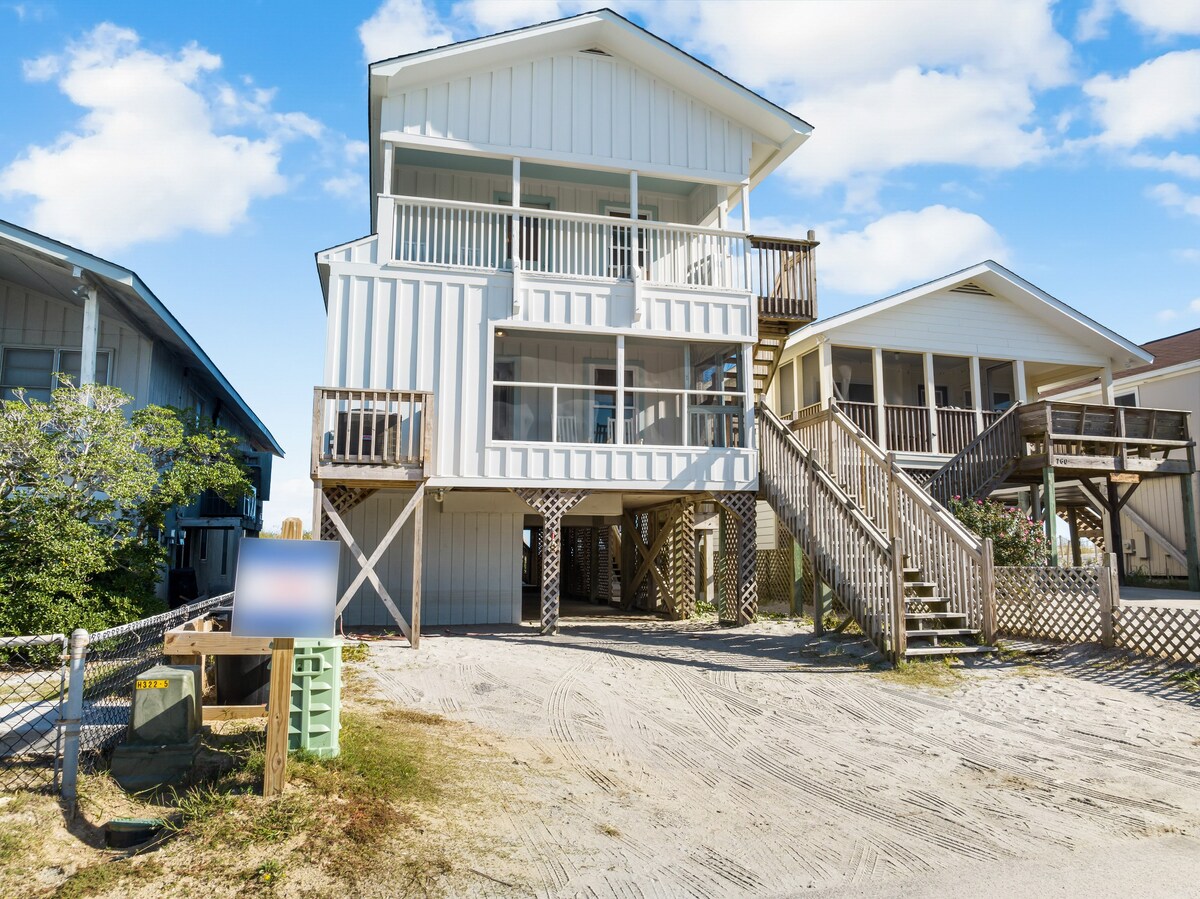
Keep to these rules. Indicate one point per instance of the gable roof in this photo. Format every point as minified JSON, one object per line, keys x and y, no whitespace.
{"x":131,"y":292}
{"x":605,"y":30}
{"x":991,"y":277}
{"x":1168,"y":351}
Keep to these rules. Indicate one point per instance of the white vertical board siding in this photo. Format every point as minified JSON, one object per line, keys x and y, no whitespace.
{"x":472,"y":565}
{"x":31,"y":318}
{"x":593,"y":109}
{"x":765,"y":517}
{"x":965,"y":324}
{"x":410,"y":328}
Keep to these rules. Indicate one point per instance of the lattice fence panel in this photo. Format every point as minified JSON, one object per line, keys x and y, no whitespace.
{"x":643,"y":597}
{"x":604,"y":566}
{"x":343,"y":499}
{"x":1049,"y":603}
{"x":743,"y":517}
{"x":551,"y":505}
{"x":1169,"y":633}
{"x":683,"y":561}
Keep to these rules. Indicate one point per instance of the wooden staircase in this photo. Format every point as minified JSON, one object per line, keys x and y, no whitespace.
{"x":984,"y":463}
{"x":930,"y":628}
{"x":772,"y":335}
{"x":872,"y":534}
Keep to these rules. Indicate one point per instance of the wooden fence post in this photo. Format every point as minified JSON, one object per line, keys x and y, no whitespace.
{"x":988,"y":585}
{"x":899,"y":627}
{"x":1110,"y":598}
{"x":279,"y":713}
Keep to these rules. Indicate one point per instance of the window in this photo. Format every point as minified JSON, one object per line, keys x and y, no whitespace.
{"x":563,"y":388}
{"x":33,"y":368}
{"x":810,"y":379}
{"x":787,"y":388}
{"x":1126,"y":399}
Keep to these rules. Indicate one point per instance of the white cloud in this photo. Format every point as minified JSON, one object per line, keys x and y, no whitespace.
{"x":350,"y":187}
{"x":402,"y":26}
{"x":1173,"y":197}
{"x":1164,"y":18}
{"x":916,"y":117}
{"x":1158,"y":99}
{"x":886,"y":85}
{"x":152,"y":156}
{"x":1185,"y":164}
{"x":1188,"y":310}
{"x":1092,"y":23}
{"x":903,"y":249}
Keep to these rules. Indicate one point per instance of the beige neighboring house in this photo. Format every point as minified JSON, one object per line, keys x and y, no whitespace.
{"x":1152,"y":525}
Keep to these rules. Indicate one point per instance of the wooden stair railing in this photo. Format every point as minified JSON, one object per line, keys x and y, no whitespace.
{"x":849,"y":552}
{"x":932,"y":539}
{"x":983,"y":464}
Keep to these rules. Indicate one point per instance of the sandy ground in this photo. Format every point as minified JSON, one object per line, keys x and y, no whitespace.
{"x":662,"y":759}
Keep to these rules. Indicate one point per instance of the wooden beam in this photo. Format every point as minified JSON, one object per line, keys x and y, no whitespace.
{"x":233,"y":712}
{"x":1188,"y":498}
{"x":217,"y":643}
{"x":1050,"y":513}
{"x":1124,"y":496}
{"x":1114,"y":516}
{"x":418,"y":570}
{"x":1073,"y":524}
{"x":649,"y":554}
{"x":413,"y":502}
{"x":358,"y":554}
{"x":279,"y":709}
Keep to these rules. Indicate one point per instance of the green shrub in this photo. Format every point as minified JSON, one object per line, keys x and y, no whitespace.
{"x":1016,"y":538}
{"x":84,"y":492}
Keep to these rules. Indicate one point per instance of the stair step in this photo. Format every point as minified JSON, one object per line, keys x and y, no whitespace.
{"x":944,"y":632}
{"x":937,"y":616}
{"x":948,"y":650}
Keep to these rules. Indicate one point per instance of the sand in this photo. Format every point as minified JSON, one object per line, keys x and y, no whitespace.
{"x":663,"y":759}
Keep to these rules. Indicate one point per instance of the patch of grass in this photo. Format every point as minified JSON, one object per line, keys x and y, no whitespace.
{"x":1188,"y":680}
{"x":609,"y":830}
{"x":102,"y":878}
{"x":704,"y":607}
{"x":13,"y":840}
{"x":355,"y":652}
{"x":937,"y":673}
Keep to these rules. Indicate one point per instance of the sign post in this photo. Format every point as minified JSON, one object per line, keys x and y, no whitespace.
{"x":286,"y":589}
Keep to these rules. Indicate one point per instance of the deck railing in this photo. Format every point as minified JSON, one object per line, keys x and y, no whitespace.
{"x":784,"y":278}
{"x":363,"y":427}
{"x":978,"y":465}
{"x":908,"y":429}
{"x":863,"y":415}
{"x":780,"y":272}
{"x":1080,"y":429}
{"x":955,"y":429}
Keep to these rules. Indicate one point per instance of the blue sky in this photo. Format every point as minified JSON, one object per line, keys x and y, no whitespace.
{"x":213,"y":147}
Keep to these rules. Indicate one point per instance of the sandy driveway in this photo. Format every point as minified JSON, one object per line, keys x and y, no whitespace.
{"x":681,"y":760}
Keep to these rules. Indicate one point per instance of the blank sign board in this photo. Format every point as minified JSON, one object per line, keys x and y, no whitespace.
{"x":286,"y":588}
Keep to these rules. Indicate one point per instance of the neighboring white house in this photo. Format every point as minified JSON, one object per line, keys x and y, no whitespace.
{"x":65,"y":310}
{"x":950,"y":356}
{"x":556,"y":322}
{"x":1153,"y":535}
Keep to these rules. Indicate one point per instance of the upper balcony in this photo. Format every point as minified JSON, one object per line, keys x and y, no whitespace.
{"x":546,"y":221}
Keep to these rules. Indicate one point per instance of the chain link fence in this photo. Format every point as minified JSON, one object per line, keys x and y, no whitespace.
{"x":113,"y":661}
{"x":32,"y":685}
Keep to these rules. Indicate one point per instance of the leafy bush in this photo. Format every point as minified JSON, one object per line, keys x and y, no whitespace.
{"x":84,"y":491}
{"x":1016,"y":538}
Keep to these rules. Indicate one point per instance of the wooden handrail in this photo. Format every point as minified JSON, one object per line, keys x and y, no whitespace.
{"x":372,"y":426}
{"x":980,"y":461}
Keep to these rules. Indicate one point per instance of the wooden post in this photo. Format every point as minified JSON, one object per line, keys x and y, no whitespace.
{"x":798,"y":563}
{"x":1050,"y":513}
{"x":91,"y":337}
{"x":989,"y":591}
{"x":1073,"y":526}
{"x":1189,"y":527}
{"x":279,"y":711}
{"x":418,"y":563}
{"x":1114,"y":517}
{"x":1106,"y":391}
{"x":293,"y":529}
{"x":1110,"y":598}
{"x":1019,"y":381}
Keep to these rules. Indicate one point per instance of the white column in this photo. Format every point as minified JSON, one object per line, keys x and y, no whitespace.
{"x":515,"y":239}
{"x":635,"y":237}
{"x":977,"y":394}
{"x":619,"y":423}
{"x":826,"y":370}
{"x":1019,"y":381}
{"x":91,"y":336}
{"x":385,"y":210}
{"x":880,"y":405}
{"x":931,"y":404}
{"x":747,"y":366}
{"x":388,"y":168}
{"x":746,"y":253}
{"x":1106,"y":387}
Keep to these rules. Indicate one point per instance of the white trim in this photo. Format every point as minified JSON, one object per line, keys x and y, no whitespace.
{"x":995,"y":276}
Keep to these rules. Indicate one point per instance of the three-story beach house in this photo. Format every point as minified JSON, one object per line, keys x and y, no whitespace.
{"x":542,"y":364}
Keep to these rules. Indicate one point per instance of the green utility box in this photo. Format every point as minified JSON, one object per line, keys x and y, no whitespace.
{"x":316,"y":710}
{"x":164,"y":724}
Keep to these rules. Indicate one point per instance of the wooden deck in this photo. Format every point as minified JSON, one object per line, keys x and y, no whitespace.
{"x":371,"y":438}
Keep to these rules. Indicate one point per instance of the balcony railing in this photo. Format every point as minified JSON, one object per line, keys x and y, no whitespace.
{"x":907,"y":428}
{"x":784,"y":277}
{"x":388,"y":431}
{"x":211,"y":504}
{"x":577,"y":245}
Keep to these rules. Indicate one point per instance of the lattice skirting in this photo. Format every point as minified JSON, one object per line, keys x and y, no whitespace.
{"x":739,"y":557}
{"x":1169,"y":633}
{"x":551,"y":505}
{"x":1050,"y":603}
